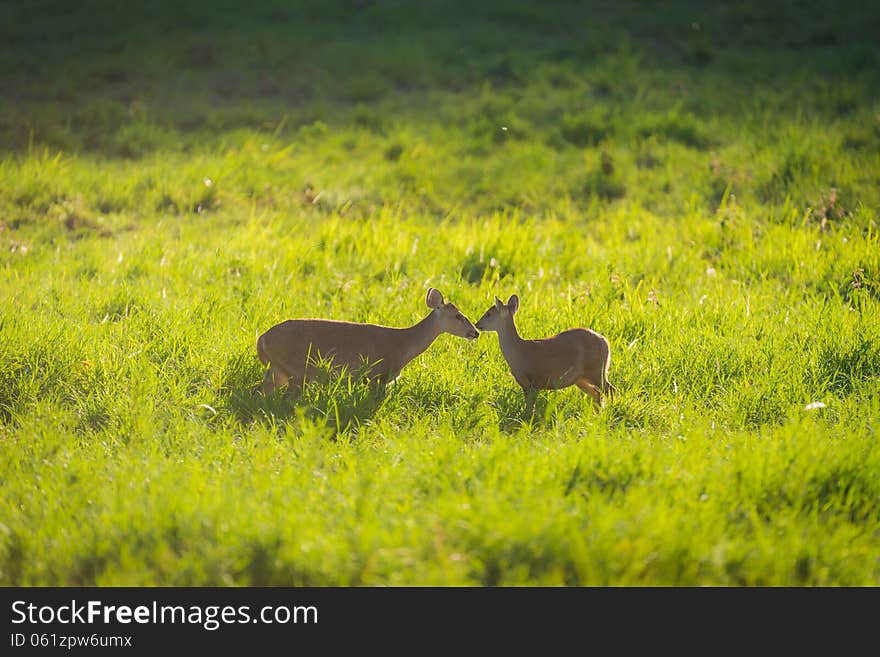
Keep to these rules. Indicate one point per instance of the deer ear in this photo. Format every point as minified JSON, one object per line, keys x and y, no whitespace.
{"x":513,"y":303}
{"x":434,"y":298}
{"x":498,"y":303}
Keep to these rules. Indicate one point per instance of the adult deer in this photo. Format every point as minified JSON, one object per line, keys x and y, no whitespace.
{"x":293,"y":349}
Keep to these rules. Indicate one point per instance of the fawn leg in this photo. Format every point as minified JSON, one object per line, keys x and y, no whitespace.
{"x":591,"y":390}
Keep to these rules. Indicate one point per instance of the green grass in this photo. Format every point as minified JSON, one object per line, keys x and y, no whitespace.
{"x":698,"y":184}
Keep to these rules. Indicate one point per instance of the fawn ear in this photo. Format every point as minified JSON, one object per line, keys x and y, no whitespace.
{"x":498,"y":303}
{"x":513,"y":303}
{"x":434,"y":298}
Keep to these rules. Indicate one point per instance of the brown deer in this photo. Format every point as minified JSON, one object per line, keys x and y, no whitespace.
{"x":575,"y":357}
{"x":292,"y":350}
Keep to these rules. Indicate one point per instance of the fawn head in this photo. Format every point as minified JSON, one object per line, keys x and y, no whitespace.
{"x":498,"y":312}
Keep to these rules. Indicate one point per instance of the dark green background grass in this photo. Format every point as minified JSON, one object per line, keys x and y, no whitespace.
{"x":698,"y":183}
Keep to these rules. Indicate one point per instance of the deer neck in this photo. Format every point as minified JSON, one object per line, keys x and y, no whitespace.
{"x":509,"y":340}
{"x":415,"y":339}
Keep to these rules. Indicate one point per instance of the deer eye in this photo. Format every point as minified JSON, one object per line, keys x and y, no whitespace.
{"x":459,"y":317}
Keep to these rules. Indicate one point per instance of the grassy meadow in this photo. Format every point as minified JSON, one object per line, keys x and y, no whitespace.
{"x":700,"y":184}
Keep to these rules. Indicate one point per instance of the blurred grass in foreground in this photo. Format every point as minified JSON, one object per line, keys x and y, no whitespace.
{"x":698,"y":184}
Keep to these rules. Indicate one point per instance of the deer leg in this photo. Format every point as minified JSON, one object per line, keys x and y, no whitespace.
{"x":274,"y":378}
{"x":591,"y":390}
{"x":268,"y":382}
{"x":379,"y":384}
{"x":531,"y":397}
{"x":609,"y":389}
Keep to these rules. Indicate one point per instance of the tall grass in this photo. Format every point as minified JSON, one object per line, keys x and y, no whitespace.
{"x":707,"y":198}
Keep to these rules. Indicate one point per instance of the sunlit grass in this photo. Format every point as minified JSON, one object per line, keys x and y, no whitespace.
{"x":710,"y":206}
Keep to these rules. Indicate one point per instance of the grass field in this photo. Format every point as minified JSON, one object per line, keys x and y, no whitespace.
{"x":700,"y":184}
